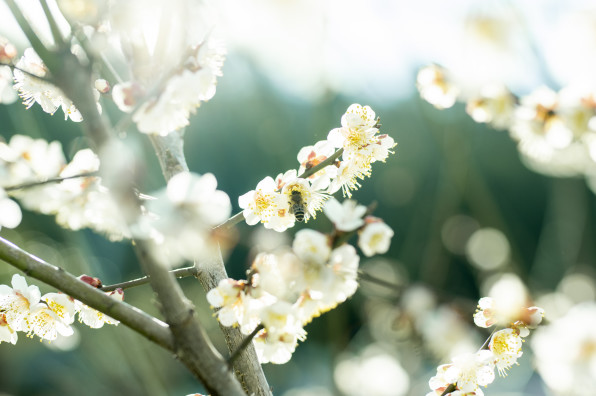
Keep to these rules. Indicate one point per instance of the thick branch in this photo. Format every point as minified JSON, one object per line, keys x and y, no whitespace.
{"x":192,"y":345}
{"x":132,"y":317}
{"x":246,"y":366}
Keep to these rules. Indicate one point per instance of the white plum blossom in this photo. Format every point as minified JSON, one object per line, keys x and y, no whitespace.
{"x":343,"y":262}
{"x":470,"y":371}
{"x":266,"y":205}
{"x":273,"y":347}
{"x":182,"y":218}
{"x":506,"y":345}
{"x":311,"y":246}
{"x":17,"y":302}
{"x":375,"y":238}
{"x":28,"y":160}
{"x":229,"y":295}
{"x":494,"y":105}
{"x":10,"y":211}
{"x":94,"y":318}
{"x":62,"y":305}
{"x":346,"y":216}
{"x":436,"y":87}
{"x":7,"y":334}
{"x":311,"y":197}
{"x":507,"y":305}
{"x":43,"y":322}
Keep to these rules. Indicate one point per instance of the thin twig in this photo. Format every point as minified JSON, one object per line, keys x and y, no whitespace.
{"x":243,"y":345}
{"x":488,"y":339}
{"x":58,"y":39}
{"x":132,"y":317}
{"x":47,"y":181}
{"x":328,"y":161}
{"x":107,"y":70}
{"x":35,"y":42}
{"x":362,"y":275}
{"x":449,"y":389}
{"x":178,"y":273}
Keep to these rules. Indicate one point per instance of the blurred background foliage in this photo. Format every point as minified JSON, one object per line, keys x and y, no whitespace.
{"x":449,"y":178}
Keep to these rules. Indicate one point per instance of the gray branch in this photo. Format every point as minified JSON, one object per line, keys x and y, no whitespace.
{"x":132,"y":317}
{"x":246,"y":366}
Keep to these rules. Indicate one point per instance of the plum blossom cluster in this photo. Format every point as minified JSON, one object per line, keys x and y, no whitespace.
{"x":170,"y":77}
{"x":76,"y":201}
{"x":48,"y":316}
{"x":182,"y":92}
{"x":278,"y":203}
{"x":468,"y":372}
{"x":555,"y":131}
{"x":285,"y":290}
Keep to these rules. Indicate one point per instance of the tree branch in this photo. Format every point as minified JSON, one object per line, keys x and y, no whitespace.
{"x":178,"y":273}
{"x":323,"y":164}
{"x":247,"y":368}
{"x":47,"y":181}
{"x":35,"y":42}
{"x":132,"y":317}
{"x":192,"y":345}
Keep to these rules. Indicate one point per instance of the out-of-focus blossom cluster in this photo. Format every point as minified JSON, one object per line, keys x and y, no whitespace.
{"x":24,"y":309}
{"x":467,"y":372}
{"x":278,"y":203}
{"x":77,"y":202}
{"x":565,"y":351}
{"x":286,"y":289}
{"x":180,"y":219}
{"x":8,"y":53}
{"x":555,"y":131}
{"x":170,"y":75}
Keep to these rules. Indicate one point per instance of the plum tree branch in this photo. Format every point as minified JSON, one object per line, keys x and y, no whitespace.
{"x":132,"y":317}
{"x":178,"y":273}
{"x":248,"y":370}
